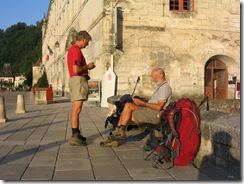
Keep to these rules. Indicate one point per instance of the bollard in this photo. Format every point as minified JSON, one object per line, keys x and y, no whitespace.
{"x":20,"y":104}
{"x":2,"y":110}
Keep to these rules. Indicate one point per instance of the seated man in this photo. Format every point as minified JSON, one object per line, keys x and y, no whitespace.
{"x":141,"y":111}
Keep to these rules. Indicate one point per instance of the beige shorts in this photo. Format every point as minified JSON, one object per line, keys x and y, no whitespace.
{"x":146,"y":115}
{"x":78,"y":88}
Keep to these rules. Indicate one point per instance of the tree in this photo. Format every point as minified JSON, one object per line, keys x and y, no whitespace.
{"x":42,"y":81}
{"x":21,"y":46}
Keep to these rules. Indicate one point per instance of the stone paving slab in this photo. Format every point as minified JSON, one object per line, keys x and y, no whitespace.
{"x":38,"y":173}
{"x":81,"y":175}
{"x":34,"y":146}
{"x":107,"y":170}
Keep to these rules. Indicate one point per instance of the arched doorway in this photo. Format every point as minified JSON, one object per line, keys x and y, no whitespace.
{"x":216,"y":80}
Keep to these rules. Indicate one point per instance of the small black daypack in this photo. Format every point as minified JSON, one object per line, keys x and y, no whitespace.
{"x":113,"y":117}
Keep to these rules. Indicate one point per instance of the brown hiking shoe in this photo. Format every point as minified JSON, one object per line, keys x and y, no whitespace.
{"x":82,"y":138}
{"x":118,"y":134}
{"x":76,"y":140}
{"x":115,"y":131}
{"x":109,"y":143}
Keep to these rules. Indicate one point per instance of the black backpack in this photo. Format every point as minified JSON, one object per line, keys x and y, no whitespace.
{"x":120,"y":103}
{"x":113,"y":118}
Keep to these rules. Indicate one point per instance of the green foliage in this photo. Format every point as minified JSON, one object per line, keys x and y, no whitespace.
{"x":42,"y":81}
{"x":21,"y":46}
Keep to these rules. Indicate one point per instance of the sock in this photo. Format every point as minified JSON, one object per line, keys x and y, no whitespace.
{"x":75,"y":130}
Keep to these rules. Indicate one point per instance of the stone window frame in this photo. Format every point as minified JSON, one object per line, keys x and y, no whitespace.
{"x":181,"y":5}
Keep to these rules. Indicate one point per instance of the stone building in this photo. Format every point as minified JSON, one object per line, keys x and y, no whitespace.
{"x":19,"y":80}
{"x":37,"y":71}
{"x":196,"y":42}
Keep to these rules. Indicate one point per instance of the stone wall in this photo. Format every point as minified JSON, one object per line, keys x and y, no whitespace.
{"x":225,"y":105}
{"x":220,"y":142}
{"x":221,"y":136}
{"x":181,"y":43}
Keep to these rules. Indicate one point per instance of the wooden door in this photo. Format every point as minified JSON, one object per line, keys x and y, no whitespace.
{"x":221,"y":85}
{"x":216,"y":80}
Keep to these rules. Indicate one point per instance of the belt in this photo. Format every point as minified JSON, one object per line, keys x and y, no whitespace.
{"x":86,"y":76}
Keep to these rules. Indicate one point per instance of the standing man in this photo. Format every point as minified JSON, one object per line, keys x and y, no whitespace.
{"x":78,"y":85}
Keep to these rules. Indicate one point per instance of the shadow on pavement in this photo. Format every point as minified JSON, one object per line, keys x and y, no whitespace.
{"x":30,"y":150}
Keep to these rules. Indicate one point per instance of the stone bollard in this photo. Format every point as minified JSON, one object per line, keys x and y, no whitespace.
{"x":20,"y":104}
{"x":3,"y":118}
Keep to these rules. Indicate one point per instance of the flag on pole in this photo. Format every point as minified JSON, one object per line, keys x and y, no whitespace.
{"x":49,"y":52}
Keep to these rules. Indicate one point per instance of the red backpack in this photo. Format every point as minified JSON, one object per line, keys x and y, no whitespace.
{"x":181,"y":139}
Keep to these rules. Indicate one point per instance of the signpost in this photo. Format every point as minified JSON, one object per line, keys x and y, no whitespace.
{"x":108,"y":84}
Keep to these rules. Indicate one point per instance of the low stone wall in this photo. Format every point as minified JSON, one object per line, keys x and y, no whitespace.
{"x":225,"y":105}
{"x":220,"y":141}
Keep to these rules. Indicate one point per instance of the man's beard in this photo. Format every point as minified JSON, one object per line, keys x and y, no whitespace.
{"x":159,"y":82}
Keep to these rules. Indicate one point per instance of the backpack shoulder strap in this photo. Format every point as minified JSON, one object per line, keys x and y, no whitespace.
{"x":172,"y":121}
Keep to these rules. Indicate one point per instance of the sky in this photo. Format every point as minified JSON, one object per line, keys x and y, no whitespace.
{"x":27,"y":11}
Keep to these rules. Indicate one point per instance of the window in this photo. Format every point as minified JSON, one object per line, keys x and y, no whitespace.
{"x":118,"y":28}
{"x":182,"y":5}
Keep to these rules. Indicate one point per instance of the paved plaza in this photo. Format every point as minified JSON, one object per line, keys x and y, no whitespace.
{"x":35,"y":146}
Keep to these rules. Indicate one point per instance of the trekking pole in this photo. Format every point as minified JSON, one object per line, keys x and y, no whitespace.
{"x":138,"y":78}
{"x":207,"y":104}
{"x":203,"y":101}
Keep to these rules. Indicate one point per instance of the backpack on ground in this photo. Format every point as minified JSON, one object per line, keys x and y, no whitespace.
{"x":114,"y":115}
{"x":180,"y":127}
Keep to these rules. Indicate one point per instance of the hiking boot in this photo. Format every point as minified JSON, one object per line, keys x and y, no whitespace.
{"x":109,"y":143}
{"x":118,"y":134}
{"x":115,"y":131}
{"x":76,"y":140}
{"x":82,"y":138}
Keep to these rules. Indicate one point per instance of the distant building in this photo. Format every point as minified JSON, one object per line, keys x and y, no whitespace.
{"x":19,"y":80}
{"x":37,"y":71}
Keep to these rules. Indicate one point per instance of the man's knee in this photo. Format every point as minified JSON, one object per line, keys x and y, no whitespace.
{"x":127,"y":106}
{"x":134,"y":120}
{"x":77,"y":110}
{"x":130,"y":106}
{"x":77,"y":107}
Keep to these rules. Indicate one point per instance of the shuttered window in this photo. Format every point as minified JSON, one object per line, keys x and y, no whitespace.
{"x":181,"y":5}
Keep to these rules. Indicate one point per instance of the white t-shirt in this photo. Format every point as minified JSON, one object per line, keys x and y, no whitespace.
{"x":162,"y":92}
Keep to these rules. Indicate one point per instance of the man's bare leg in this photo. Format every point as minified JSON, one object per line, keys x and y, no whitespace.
{"x":125,"y":117}
{"x":126,"y":114}
{"x":76,"y":138}
{"x":77,"y":106}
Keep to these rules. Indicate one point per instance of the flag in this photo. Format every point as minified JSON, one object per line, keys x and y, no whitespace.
{"x":49,"y":50}
{"x":48,"y":53}
{"x":47,"y":57}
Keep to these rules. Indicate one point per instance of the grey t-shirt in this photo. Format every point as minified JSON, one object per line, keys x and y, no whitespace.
{"x":162,"y":92}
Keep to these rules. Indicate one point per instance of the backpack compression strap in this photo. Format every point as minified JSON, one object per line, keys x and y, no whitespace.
{"x":172,"y":121}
